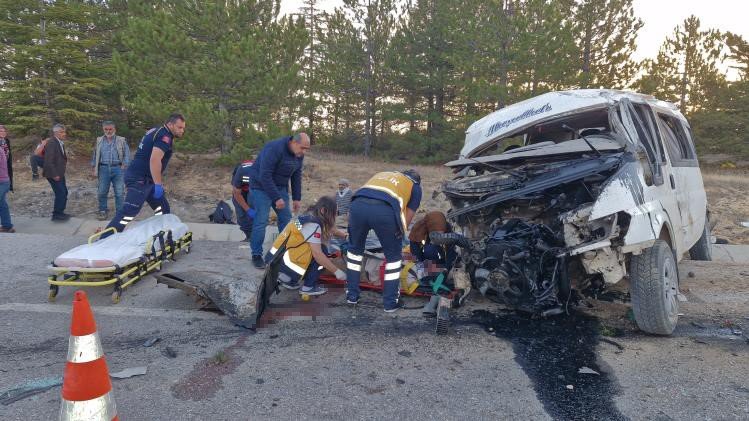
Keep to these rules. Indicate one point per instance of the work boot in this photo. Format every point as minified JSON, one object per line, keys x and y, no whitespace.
{"x":34,"y":177}
{"x":258,"y":261}
{"x":61,"y":217}
{"x":398,"y":305}
{"x":7,"y":230}
{"x":102,"y":215}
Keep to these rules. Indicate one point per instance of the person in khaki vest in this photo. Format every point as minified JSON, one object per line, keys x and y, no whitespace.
{"x":386,"y":204}
{"x":303,"y":243}
{"x":108,"y":162}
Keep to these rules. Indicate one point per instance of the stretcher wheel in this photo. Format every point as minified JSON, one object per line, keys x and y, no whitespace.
{"x":116,"y":294}
{"x":305,"y":297}
{"x":187,"y":250}
{"x":53,"y":290}
{"x":442,"y":326}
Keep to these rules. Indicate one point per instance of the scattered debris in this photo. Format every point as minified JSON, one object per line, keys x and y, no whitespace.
{"x":587,"y":370}
{"x":721,"y":241}
{"x":149,"y":343}
{"x":169,"y":352}
{"x":695,"y":324}
{"x":400,"y":381}
{"x":259,"y":381}
{"x":699,"y":341}
{"x":29,"y":389}
{"x":404,"y":353}
{"x":690,"y":274}
{"x":616,"y":344}
{"x":570,"y":387}
{"x":129,"y":372}
{"x":611,"y":331}
{"x":220,"y":358}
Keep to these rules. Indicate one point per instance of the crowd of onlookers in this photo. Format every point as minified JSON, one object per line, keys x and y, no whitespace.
{"x":110,"y":157}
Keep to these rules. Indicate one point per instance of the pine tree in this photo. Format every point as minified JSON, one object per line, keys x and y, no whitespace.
{"x":232,"y":67}
{"x":50,"y":71}
{"x":686,"y":69}
{"x":606,"y":34}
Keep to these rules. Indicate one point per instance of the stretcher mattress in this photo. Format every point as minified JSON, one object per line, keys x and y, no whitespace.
{"x":123,"y":248}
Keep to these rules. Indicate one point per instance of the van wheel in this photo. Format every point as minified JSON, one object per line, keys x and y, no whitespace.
{"x":654,"y":289}
{"x":703,"y":248}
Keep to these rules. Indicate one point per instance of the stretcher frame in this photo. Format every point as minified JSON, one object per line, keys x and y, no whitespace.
{"x":151,"y":261}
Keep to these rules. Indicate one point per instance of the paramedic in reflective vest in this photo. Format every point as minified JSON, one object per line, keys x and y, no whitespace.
{"x":240,"y":183}
{"x":278,"y":164}
{"x":302,"y":243}
{"x":385,"y":204}
{"x":143,"y":177}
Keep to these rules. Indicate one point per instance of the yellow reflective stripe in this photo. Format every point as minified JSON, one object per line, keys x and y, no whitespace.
{"x":396,"y":197}
{"x":293,"y":266}
{"x":101,"y":408}
{"x":83,"y":349}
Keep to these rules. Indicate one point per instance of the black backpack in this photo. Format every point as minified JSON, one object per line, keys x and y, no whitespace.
{"x":223,"y":214}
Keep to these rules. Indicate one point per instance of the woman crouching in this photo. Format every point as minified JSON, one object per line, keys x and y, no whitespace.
{"x":303,"y":244}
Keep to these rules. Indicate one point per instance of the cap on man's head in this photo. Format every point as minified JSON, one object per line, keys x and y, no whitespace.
{"x":413,"y":175}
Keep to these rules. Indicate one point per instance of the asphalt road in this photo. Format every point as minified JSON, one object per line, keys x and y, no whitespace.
{"x":323,"y":360}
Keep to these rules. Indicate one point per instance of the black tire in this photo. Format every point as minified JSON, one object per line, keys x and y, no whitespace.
{"x":655,"y":289}
{"x":703,"y":248}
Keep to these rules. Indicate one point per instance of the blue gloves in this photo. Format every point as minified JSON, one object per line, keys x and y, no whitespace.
{"x":158,"y":191}
{"x":251,"y":213}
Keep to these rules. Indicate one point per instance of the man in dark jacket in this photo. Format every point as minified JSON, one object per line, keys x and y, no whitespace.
{"x":55,"y":164}
{"x":280,"y":162}
{"x":6,"y":180}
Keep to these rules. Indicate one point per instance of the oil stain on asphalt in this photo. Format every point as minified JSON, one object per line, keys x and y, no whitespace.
{"x":551,"y":352}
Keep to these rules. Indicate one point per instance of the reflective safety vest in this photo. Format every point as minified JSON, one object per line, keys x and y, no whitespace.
{"x":395,"y":185}
{"x":297,"y":253}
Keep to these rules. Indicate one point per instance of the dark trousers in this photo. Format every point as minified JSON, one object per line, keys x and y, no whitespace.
{"x":369,"y":214}
{"x":244,"y":222}
{"x":444,"y":256}
{"x":138,"y":192}
{"x":36,"y":163}
{"x":61,"y":195}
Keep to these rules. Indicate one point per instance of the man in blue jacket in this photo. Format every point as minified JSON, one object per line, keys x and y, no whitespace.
{"x":280,"y":162}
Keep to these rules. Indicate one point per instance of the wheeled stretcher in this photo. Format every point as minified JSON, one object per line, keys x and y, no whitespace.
{"x":122,"y":258}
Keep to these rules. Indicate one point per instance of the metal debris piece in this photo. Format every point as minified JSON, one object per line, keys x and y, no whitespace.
{"x":239,"y":299}
{"x":149,"y":343}
{"x":570,"y":387}
{"x":586,"y":370}
{"x":129,"y":372}
{"x":30,"y":388}
{"x":170,"y":352}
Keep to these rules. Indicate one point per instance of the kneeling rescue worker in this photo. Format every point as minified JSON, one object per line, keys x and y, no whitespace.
{"x":143,"y":176}
{"x":303,"y":244}
{"x":386,"y":204}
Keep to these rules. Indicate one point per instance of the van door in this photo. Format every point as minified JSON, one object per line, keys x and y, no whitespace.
{"x":686,"y":178}
{"x":640,"y":124}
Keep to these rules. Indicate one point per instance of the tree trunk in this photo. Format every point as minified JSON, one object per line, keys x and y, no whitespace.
{"x":227,"y":138}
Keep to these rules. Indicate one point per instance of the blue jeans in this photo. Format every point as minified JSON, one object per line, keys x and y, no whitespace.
{"x":262,"y":204}
{"x":4,"y":208}
{"x":244,"y":221}
{"x":110,"y":175}
{"x":61,"y":195}
{"x":369,"y":214}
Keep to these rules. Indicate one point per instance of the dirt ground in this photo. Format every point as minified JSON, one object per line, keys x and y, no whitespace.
{"x":194,"y":184}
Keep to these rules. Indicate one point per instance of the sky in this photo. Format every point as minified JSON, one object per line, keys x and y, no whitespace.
{"x":660,"y":17}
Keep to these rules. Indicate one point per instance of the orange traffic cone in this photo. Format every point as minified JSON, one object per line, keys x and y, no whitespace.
{"x":86,"y":388}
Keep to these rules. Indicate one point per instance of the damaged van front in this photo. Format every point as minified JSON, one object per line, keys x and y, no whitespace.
{"x":570,"y":192}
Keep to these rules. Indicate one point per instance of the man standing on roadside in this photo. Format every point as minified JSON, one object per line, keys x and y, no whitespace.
{"x":143,"y":176}
{"x":108,"y":162}
{"x":6,"y":180}
{"x":240,"y":185}
{"x":55,"y":164}
{"x":279,"y":162}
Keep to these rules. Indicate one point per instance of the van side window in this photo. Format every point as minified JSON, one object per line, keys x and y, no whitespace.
{"x":676,"y":139}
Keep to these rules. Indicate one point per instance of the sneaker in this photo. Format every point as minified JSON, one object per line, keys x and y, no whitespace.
{"x":7,"y":230}
{"x":60,"y":218}
{"x":102,"y":216}
{"x":316,"y":290}
{"x":291,"y":286}
{"x":398,"y":305}
{"x":34,"y":177}
{"x":258,"y":261}
{"x":352,"y":301}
